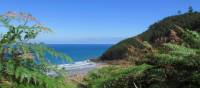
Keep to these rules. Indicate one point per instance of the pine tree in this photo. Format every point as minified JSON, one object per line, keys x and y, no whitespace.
{"x":190,"y":9}
{"x":179,"y":12}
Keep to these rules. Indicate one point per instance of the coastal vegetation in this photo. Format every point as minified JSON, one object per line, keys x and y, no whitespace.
{"x":158,"y":33}
{"x":23,"y":64}
{"x":170,"y":66}
{"x":165,"y":56}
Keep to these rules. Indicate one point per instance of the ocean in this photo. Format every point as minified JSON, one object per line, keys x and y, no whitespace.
{"x":79,"y":52}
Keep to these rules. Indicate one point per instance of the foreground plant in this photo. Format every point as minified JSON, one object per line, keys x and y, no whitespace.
{"x":23,"y":64}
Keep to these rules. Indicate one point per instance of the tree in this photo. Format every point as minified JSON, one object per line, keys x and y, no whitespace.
{"x":179,"y":12}
{"x":190,"y":9}
{"x":23,"y":64}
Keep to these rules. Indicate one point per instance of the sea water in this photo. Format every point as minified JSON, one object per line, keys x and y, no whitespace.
{"x":80,"y":54}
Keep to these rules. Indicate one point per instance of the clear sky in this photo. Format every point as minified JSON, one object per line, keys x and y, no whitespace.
{"x":96,"y":21}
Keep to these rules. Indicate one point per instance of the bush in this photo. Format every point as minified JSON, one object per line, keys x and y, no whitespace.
{"x":108,"y":77}
{"x":23,"y":64}
{"x":171,"y":66}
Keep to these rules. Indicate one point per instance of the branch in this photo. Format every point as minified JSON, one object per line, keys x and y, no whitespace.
{"x":135,"y":85}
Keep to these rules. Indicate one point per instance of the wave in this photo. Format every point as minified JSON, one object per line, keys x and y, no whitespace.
{"x":74,"y":68}
{"x":77,"y":65}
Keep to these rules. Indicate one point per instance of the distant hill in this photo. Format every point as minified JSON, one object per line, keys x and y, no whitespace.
{"x":158,"y":33}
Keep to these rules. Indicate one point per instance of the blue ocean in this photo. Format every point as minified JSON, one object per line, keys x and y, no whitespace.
{"x":79,"y":52}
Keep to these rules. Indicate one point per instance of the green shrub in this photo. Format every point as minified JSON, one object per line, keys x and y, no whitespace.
{"x":23,"y":64}
{"x":171,"y":66}
{"x":106,"y":76}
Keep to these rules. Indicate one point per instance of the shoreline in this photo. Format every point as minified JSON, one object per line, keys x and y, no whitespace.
{"x":78,"y":70}
{"x":80,"y":67}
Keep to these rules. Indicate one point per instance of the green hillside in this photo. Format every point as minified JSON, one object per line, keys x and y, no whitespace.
{"x":163,"y":31}
{"x":165,"y":56}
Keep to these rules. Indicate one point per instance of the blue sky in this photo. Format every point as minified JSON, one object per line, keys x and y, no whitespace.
{"x":96,"y":21}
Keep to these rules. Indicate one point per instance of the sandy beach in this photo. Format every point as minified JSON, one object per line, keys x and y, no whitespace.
{"x":80,"y":68}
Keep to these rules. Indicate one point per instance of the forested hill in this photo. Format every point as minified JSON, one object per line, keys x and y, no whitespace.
{"x":166,"y":30}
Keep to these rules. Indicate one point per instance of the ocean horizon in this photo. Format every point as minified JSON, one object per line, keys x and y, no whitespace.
{"x":78,"y":52}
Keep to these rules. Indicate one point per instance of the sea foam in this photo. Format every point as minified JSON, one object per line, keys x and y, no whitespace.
{"x":79,"y":67}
